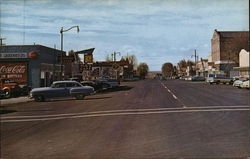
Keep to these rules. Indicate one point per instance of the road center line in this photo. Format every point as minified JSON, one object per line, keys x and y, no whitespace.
{"x":130,"y":110}
{"x":174,"y":96}
{"x":123,"y":113}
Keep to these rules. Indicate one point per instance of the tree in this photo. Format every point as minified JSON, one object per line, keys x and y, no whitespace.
{"x":183,"y":66}
{"x":142,"y":69}
{"x":167,"y":69}
{"x":73,"y":54}
{"x":192,"y":67}
{"x":182,"y":63}
{"x":131,"y":60}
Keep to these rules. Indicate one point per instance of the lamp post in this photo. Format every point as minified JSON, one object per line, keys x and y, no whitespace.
{"x":61,"y":32}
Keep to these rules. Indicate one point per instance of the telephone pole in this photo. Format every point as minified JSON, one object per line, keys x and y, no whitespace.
{"x":1,"y":41}
{"x":114,"y":55}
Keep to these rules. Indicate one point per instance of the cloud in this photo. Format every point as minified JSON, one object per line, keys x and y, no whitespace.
{"x":153,"y":30}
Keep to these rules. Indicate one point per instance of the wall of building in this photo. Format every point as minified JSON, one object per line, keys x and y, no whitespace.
{"x":215,"y":46}
{"x":231,"y":46}
{"x":244,"y":58}
{"x":45,"y":56}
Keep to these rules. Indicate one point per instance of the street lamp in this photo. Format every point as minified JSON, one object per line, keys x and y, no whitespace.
{"x":61,"y":32}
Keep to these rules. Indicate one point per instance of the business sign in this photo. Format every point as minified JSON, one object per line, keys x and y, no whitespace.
{"x":15,"y":71}
{"x":85,"y":67}
{"x":13,"y":55}
{"x":88,"y":58}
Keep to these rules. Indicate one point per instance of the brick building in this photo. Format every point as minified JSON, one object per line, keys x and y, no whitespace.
{"x":226,"y":46}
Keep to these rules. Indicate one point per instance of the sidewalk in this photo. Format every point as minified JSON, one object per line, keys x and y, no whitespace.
{"x":14,"y":100}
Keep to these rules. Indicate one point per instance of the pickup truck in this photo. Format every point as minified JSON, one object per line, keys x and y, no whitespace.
{"x":9,"y":88}
{"x":61,"y":89}
{"x":218,"y":78}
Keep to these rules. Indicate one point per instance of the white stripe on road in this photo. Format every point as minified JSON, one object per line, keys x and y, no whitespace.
{"x":174,"y":96}
{"x":168,"y":90}
{"x":129,"y":110}
{"x":124,"y":113}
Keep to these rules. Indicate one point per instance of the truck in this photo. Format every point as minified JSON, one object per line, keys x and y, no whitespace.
{"x":218,"y":78}
{"x":9,"y":88}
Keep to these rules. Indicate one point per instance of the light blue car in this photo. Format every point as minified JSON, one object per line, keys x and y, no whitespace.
{"x":61,"y":89}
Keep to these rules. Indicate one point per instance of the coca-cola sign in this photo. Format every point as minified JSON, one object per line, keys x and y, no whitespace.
{"x":16,"y":71}
{"x":13,"y":69}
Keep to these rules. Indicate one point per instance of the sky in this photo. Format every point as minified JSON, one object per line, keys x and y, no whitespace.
{"x":155,"y":31}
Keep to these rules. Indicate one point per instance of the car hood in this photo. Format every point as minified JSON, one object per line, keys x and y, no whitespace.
{"x":40,"y":89}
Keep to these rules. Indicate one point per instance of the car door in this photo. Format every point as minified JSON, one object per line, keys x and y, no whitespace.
{"x":69,"y":86}
{"x":58,"y":90}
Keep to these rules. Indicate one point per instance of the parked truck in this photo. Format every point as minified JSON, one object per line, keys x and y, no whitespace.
{"x":9,"y":88}
{"x":218,"y":78}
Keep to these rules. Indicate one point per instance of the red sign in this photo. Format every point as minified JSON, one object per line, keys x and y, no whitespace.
{"x":16,"y":71}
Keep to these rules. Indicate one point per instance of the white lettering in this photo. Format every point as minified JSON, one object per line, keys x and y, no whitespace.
{"x":13,"y":69}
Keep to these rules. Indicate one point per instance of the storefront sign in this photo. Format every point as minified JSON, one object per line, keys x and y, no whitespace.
{"x":13,"y":55}
{"x":88,"y":58}
{"x":16,"y":71}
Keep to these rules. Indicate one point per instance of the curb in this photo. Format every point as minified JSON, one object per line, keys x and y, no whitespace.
{"x":14,"y":100}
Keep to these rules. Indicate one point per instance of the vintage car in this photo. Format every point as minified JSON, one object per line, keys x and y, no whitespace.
{"x":245,"y":84}
{"x":238,"y":82}
{"x":107,"y":83}
{"x":218,"y":78}
{"x":61,"y":89}
{"x":96,"y":86}
{"x":198,"y":78}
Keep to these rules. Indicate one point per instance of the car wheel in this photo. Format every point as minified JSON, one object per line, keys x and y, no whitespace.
{"x":79,"y":96}
{"x":7,"y":93}
{"x":39,"y":98}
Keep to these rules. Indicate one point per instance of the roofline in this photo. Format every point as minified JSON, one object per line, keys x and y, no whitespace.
{"x":231,"y":31}
{"x":33,"y":46}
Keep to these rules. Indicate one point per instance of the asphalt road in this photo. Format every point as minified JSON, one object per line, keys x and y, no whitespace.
{"x":145,"y":119}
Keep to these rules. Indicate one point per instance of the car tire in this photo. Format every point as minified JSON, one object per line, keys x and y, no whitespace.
{"x":79,"y":96}
{"x":7,"y":93}
{"x":39,"y":98}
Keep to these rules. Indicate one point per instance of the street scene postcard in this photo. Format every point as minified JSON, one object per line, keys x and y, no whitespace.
{"x":124,"y":79}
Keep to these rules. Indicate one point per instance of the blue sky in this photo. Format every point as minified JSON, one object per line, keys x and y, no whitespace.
{"x":156,"y":31}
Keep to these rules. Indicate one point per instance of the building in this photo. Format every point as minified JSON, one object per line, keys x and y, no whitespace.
{"x":243,"y":69}
{"x":32,"y":65}
{"x":110,"y":69}
{"x":202,"y":67}
{"x":226,"y":46}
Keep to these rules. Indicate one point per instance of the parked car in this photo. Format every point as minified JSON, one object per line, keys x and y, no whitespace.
{"x":188,"y":78}
{"x":10,"y":88}
{"x":61,"y":89}
{"x":218,"y":78}
{"x":245,"y":84}
{"x":75,"y":79}
{"x":108,"y":83}
{"x":238,"y":82}
{"x":96,"y":86}
{"x":198,"y":78}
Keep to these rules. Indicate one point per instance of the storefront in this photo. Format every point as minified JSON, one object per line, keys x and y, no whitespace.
{"x":32,"y":65}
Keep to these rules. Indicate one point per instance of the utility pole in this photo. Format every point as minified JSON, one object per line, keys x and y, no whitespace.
{"x":114,"y":59}
{"x":1,"y":41}
{"x":195,"y":58}
{"x":114,"y":55}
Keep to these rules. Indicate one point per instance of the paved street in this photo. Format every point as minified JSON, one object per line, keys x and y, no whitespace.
{"x":143,"y":119}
